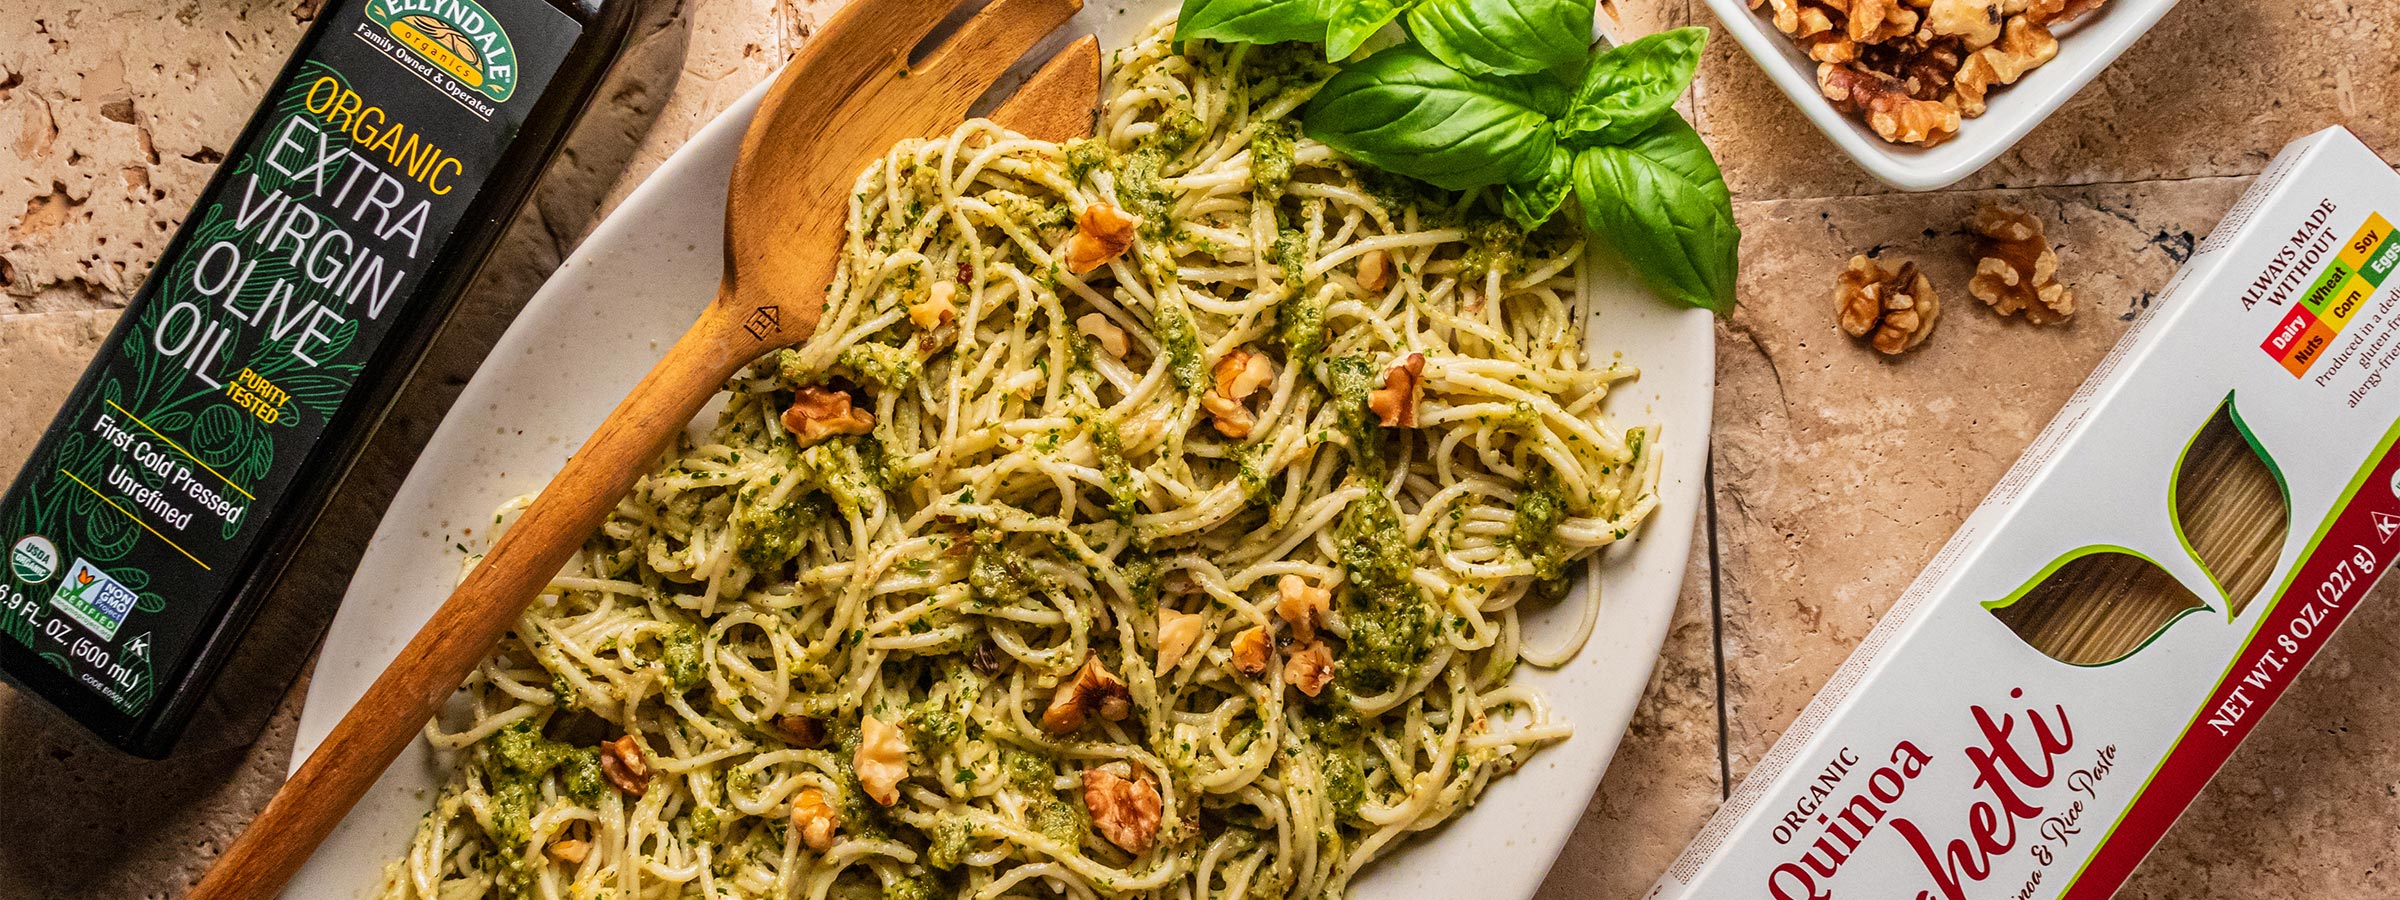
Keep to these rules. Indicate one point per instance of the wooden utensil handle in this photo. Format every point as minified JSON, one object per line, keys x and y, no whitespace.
{"x":481,"y":610}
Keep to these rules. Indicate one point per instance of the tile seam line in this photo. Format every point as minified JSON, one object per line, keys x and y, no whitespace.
{"x":1716,"y":616}
{"x":1876,"y":195}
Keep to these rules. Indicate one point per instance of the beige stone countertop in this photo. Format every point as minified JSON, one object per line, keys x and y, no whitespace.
{"x":1835,"y":474}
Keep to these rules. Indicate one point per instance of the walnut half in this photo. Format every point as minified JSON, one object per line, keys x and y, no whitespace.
{"x":820,"y":412}
{"x":1302,"y":606}
{"x":2015,"y":269}
{"x":1310,"y":669}
{"x":1102,"y":233}
{"x":621,"y":760}
{"x":882,"y":759}
{"x":1236,"y":376}
{"x":1126,"y":811}
{"x":1092,"y":690}
{"x":1893,"y":311}
{"x":815,"y":819}
{"x":1395,"y":403}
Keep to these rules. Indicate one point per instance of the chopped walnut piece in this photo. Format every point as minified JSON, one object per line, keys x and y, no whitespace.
{"x":1177,"y":632}
{"x":621,"y":760}
{"x":820,"y":412}
{"x":1976,"y":22}
{"x":1238,"y":375}
{"x":1092,"y":690}
{"x":1374,"y":271}
{"x":1395,"y":403}
{"x":2021,"y":48}
{"x":1102,"y":233}
{"x":1886,"y":105}
{"x":881,"y":761}
{"x":1785,"y":14}
{"x":1893,"y":311}
{"x":1309,"y":669}
{"x":568,"y":851}
{"x":1253,"y":649}
{"x":815,"y":819}
{"x":1877,"y":21}
{"x":804,"y":732}
{"x":1125,"y":810}
{"x":1099,"y":328}
{"x":2015,"y":269}
{"x":937,"y":309}
{"x":1302,"y":606}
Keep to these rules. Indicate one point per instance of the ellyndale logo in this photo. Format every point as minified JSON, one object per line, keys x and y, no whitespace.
{"x":458,"y":36}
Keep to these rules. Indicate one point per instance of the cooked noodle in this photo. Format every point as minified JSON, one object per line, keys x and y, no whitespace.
{"x":1028,"y":500}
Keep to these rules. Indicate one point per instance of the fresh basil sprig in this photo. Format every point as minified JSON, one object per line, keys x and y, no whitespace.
{"x":1504,"y":37}
{"x":1402,"y":111}
{"x":1353,"y":22}
{"x":1661,"y":202}
{"x":1507,"y":94}
{"x":1628,"y":89}
{"x":1255,"y":21}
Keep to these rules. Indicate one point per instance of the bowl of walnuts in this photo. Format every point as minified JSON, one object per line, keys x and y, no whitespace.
{"x":1924,"y":92}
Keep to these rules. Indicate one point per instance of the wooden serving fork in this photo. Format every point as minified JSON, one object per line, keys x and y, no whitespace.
{"x":848,"y":96}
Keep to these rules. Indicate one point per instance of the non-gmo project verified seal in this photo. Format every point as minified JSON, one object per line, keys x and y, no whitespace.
{"x":91,"y":597}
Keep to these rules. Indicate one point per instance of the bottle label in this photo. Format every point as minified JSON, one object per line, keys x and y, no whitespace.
{"x":128,"y":526}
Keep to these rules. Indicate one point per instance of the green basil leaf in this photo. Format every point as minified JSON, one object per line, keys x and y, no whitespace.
{"x":1532,"y":203}
{"x":1404,"y":112}
{"x":1505,"y":37}
{"x":1661,"y":202}
{"x":1254,"y":21}
{"x":1628,"y":89}
{"x":1354,"y":21}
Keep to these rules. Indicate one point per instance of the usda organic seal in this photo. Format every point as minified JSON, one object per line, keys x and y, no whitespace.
{"x":33,"y":560}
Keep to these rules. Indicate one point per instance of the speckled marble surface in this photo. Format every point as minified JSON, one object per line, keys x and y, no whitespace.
{"x":1836,"y":475}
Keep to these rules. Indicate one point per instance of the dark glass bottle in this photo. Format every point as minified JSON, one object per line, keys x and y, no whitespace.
{"x":276,"y":329}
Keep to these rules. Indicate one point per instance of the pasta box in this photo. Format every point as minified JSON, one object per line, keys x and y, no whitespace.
{"x":2044,"y":701}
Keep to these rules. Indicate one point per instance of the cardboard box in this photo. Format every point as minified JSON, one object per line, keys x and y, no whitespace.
{"x":2048,"y":697}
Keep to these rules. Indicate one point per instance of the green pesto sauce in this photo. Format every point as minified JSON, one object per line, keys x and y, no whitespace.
{"x":1353,"y":378}
{"x":1255,"y":480}
{"x":1273,"y":151}
{"x":884,"y":365}
{"x":1494,"y":245}
{"x":1290,"y":253}
{"x":1540,"y":508}
{"x":1139,"y":188}
{"x":769,"y":536}
{"x":680,"y":651}
{"x":997,"y":576}
{"x":1300,"y":326}
{"x":1392,"y":627}
{"x":1087,"y":156}
{"x":1122,"y":500}
{"x":950,"y":842}
{"x":524,"y":753}
{"x":910,"y":889}
{"x":1345,"y":786}
{"x":1058,"y":821}
{"x":1141,"y":575}
{"x":1183,"y":344}
{"x":844,"y":471}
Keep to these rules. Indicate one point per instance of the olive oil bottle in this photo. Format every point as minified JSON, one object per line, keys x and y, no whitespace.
{"x":275,"y":330}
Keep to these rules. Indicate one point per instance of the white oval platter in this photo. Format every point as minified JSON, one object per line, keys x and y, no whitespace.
{"x":643,"y":276}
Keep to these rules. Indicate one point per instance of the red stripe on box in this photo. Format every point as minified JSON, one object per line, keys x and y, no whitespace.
{"x":2342,"y":565}
{"x":2288,"y":332}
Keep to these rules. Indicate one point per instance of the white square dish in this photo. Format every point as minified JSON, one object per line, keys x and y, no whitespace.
{"x":2085,"y":47}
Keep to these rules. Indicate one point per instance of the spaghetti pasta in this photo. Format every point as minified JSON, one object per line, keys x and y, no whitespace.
{"x":1052,"y":625}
